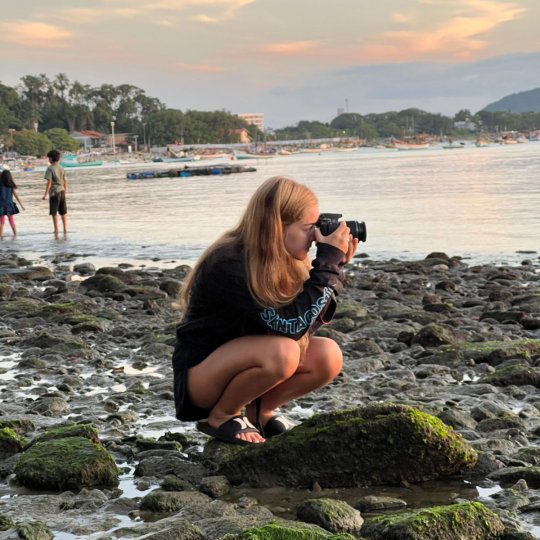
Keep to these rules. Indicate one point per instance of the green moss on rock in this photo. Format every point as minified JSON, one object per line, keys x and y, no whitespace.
{"x":333,"y":515}
{"x":171,"y":501}
{"x":472,"y":521}
{"x":277,"y":531}
{"x":518,"y":375}
{"x":489,"y":352}
{"x":10,"y":442}
{"x":34,"y":530}
{"x":6,"y":523}
{"x":103,"y":283}
{"x":378,"y":444}
{"x":68,"y":463}
{"x":88,"y":431}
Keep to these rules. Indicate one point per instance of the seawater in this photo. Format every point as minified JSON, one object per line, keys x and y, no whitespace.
{"x":480,"y":203}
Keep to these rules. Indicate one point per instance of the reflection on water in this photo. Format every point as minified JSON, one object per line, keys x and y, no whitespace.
{"x":478,"y":201}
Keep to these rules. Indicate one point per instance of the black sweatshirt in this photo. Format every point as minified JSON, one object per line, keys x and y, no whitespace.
{"x":221,"y":307}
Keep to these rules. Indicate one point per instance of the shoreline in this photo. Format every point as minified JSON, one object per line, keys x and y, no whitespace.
{"x":458,"y":341}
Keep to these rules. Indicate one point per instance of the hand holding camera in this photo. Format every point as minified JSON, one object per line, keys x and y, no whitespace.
{"x":345,"y":235}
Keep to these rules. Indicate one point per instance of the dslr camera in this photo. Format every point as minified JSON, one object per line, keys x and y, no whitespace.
{"x":328,"y":223}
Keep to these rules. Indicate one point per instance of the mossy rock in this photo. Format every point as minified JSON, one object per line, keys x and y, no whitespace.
{"x":171,"y":501}
{"x":6,"y":523}
{"x":68,"y":463}
{"x":333,"y":515}
{"x":374,"y":445}
{"x":27,"y":306}
{"x":436,"y":335}
{"x":278,"y":531}
{"x":103,"y":283}
{"x":472,"y":521}
{"x":489,"y":352}
{"x":88,"y":431}
{"x":65,"y":308}
{"x":60,"y":343}
{"x":34,"y":530}
{"x":19,"y":425}
{"x":519,"y":375}
{"x":350,"y":310}
{"x":10,"y":442}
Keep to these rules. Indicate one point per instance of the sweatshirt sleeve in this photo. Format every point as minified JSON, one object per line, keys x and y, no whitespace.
{"x":294,"y":319}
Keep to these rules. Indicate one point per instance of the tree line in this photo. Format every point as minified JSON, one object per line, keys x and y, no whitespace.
{"x":40,"y":111}
{"x":39,"y":104}
{"x":410,"y":123}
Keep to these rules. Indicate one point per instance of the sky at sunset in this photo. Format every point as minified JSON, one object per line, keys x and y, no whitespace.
{"x":291,"y":59}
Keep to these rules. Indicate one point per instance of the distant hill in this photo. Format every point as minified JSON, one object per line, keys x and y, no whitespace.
{"x":521,"y":102}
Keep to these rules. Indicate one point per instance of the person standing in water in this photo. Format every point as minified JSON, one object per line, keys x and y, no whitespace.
{"x":56,"y":189}
{"x":8,"y":190}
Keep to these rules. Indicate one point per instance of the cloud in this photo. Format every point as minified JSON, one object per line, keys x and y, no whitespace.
{"x":291,"y":48}
{"x":199,"y":68}
{"x":35,"y":34}
{"x":459,"y":37}
{"x":402,"y":18}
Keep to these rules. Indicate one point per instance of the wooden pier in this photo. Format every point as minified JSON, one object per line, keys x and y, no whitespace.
{"x":190,"y":171}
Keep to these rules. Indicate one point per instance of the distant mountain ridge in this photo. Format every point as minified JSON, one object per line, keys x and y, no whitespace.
{"x":521,"y":102}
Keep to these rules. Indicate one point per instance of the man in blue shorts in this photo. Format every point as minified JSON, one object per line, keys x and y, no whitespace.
{"x":56,"y":190}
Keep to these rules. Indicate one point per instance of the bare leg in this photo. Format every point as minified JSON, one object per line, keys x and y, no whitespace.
{"x":238,"y":372}
{"x":64,"y":223}
{"x":2,"y":221}
{"x":322,"y":363}
{"x":11,"y":220}
{"x":55,"y":225}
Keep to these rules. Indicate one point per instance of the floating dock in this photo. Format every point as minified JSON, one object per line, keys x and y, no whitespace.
{"x":190,"y":171}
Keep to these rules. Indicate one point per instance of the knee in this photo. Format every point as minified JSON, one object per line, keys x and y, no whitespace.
{"x":283,"y":358}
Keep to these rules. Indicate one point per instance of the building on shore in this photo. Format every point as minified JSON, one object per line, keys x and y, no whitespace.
{"x":253,"y":119}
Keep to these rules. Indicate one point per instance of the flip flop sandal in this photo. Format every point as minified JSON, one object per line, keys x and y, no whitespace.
{"x":229,"y":430}
{"x":277,"y":425}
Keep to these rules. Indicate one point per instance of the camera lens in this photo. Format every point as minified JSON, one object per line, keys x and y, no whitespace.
{"x":358,"y":229}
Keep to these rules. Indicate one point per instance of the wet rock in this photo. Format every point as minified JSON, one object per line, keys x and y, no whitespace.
{"x":435,"y":335}
{"x":84,"y":269}
{"x":288,"y":531}
{"x":32,"y":273}
{"x":34,"y":530}
{"x":68,"y":463}
{"x":350,"y":448}
{"x":333,"y":515}
{"x":215,"y":486}
{"x":49,"y":406}
{"x":171,"y":501}
{"x":373,"y":504}
{"x":467,"y":520}
{"x":512,"y":474}
{"x":103,"y":283}
{"x":10,"y":442}
{"x":519,"y":375}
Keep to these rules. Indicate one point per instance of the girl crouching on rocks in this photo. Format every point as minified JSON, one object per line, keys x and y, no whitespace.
{"x":244,"y":346}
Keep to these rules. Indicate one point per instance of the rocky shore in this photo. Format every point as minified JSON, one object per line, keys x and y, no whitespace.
{"x":430,"y":432}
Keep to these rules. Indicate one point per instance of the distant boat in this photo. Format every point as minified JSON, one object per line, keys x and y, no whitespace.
{"x":402,"y":145}
{"x":80,"y":160}
{"x":453,"y":146}
{"x":160,"y":159}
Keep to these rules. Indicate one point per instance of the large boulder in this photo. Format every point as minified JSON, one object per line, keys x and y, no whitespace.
{"x":72,"y":462}
{"x":378,"y":444}
{"x":472,"y":521}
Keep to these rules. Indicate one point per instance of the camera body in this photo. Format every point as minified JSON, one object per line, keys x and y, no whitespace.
{"x":328,"y":223}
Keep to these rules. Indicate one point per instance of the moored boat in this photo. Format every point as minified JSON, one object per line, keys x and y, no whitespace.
{"x":80,"y":160}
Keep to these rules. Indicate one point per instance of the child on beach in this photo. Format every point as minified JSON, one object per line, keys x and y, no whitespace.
{"x":252,"y":302}
{"x":56,"y":189}
{"x":8,"y":190}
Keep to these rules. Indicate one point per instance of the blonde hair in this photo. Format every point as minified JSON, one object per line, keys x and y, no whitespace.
{"x":274,"y":277}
